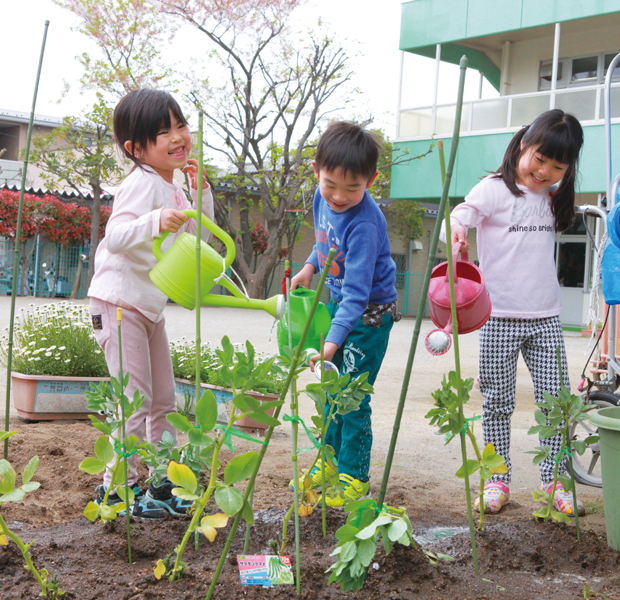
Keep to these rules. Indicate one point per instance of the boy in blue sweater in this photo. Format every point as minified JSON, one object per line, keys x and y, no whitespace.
{"x":361,"y":281}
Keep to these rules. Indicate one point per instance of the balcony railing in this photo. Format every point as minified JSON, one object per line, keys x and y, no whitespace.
{"x":507,"y":112}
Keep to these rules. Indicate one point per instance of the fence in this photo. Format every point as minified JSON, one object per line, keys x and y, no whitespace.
{"x":52,"y":269}
{"x":55,"y":267}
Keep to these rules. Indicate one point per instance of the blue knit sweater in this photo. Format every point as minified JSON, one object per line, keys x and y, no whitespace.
{"x":363,"y":270}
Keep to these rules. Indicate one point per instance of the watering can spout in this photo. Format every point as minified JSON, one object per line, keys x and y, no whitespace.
{"x":175,"y":273}
{"x":274,"y":305}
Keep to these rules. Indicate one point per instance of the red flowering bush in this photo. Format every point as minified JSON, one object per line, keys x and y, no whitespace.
{"x":63,"y":223}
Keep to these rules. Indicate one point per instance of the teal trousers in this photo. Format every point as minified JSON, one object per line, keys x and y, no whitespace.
{"x":351,"y":435}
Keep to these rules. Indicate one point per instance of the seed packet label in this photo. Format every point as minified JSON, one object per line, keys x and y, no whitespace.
{"x":258,"y":569}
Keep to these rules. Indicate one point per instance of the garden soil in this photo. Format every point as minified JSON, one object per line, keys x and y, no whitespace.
{"x":518,"y":558}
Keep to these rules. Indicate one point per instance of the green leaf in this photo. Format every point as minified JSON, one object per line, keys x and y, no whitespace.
{"x":121,"y":489}
{"x":579,"y":446}
{"x":541,"y":418}
{"x":31,"y":486}
{"x":184,"y":494}
{"x":346,"y":533}
{"x":397,"y":529}
{"x":240,"y":467}
{"x":206,"y":411}
{"x":6,"y":434}
{"x":108,"y":513}
{"x":179,"y":422}
{"x":104,"y":450}
{"x":370,"y":530}
{"x":388,"y":544}
{"x":261,"y":417}
{"x":493,"y":461}
{"x":182,"y":476}
{"x":197,"y":438}
{"x":16,"y":495}
{"x":349,"y":550}
{"x":540,"y":495}
{"x":245,"y":403}
{"x":472,"y":467}
{"x":366,"y":551}
{"x":229,"y":500}
{"x":489,"y":450}
{"x":92,"y":465}
{"x":567,"y":482}
{"x":30,"y":469}
{"x":547,"y":432}
{"x":91,"y":512}
{"x":102,"y":427}
{"x":7,"y":477}
{"x":248,"y":513}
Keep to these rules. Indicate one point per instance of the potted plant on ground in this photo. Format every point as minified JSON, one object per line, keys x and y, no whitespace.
{"x":212,"y":377}
{"x":54,"y":360}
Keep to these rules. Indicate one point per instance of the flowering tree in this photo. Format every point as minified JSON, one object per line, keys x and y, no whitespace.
{"x":129,"y":34}
{"x":263,"y":117}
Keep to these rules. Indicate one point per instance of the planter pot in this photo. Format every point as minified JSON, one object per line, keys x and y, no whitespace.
{"x":608,"y":422}
{"x":43,"y":397}
{"x":224,"y":398}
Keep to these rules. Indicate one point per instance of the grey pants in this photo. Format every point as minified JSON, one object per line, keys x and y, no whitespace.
{"x":501,"y":340}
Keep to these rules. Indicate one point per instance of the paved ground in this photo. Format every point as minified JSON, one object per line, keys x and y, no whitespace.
{"x":418,"y":449}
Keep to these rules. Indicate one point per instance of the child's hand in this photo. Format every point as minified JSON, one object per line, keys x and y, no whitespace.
{"x":303,"y":278}
{"x":329,"y":349}
{"x":171,"y":220}
{"x":192,"y":170}
{"x":459,"y":236}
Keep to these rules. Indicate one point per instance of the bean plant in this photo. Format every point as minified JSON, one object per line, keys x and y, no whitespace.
{"x":50,"y":588}
{"x":109,"y":400}
{"x":345,"y":396}
{"x":554,"y":416}
{"x":366,"y":525}
{"x":241,"y":373}
{"x":447,"y":417}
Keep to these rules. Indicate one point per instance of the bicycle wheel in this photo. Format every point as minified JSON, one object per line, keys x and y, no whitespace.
{"x":587,"y":467}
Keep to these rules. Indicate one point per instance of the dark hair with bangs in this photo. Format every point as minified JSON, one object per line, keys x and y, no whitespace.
{"x":350,"y":147}
{"x":140,"y":116}
{"x":558,"y":136}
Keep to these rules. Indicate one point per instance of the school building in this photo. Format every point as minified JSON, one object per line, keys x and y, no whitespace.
{"x":534,"y":55}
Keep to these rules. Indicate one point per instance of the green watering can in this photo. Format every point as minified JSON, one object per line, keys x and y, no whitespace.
{"x":175,"y":273}
{"x":301,"y":301}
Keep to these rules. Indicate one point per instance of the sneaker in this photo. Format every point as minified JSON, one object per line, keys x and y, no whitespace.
{"x":496,"y":494}
{"x":315,"y":475}
{"x":354,"y":489}
{"x":563,"y":500}
{"x":161,"y":495}
{"x":143,"y":508}
{"x":114,"y":498}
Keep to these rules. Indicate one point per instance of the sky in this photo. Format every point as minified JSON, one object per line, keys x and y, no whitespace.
{"x":368,"y":29}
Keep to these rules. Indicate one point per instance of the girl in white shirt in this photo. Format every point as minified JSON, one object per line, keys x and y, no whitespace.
{"x":517,"y":212}
{"x":151,"y":131}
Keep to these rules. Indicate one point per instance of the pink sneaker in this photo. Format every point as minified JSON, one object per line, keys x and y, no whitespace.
{"x":563,"y":500}
{"x":496,"y":494}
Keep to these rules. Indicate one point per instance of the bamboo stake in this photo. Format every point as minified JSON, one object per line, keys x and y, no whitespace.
{"x":424,"y":291}
{"x":457,"y":368}
{"x":119,"y":319}
{"x":198,"y":263}
{"x":18,"y":233}
{"x":295,"y":428}
{"x":294,"y":363}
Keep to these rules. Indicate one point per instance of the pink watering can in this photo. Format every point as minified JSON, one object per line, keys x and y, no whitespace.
{"x":473,"y":305}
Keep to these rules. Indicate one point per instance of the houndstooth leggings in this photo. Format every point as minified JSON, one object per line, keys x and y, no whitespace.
{"x":500,"y":342}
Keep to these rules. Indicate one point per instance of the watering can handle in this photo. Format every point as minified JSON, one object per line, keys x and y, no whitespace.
{"x":455,"y":254}
{"x":212,"y":227}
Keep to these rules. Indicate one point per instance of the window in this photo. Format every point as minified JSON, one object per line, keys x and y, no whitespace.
{"x":577,"y":71}
{"x":585,"y":70}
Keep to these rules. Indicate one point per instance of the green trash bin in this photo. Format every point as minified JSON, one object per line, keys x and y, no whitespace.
{"x":608,"y":422}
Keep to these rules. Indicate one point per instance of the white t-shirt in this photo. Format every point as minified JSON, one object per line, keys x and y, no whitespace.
{"x":125,"y":256}
{"x":516,"y":241}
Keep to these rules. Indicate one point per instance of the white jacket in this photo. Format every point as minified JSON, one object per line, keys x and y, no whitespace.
{"x":516,"y":241}
{"x":125,"y":256}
